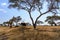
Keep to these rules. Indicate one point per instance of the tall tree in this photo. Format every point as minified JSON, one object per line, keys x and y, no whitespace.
{"x":32,"y":5}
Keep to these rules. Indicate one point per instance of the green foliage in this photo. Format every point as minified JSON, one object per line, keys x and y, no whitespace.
{"x":32,"y":5}
{"x":39,"y":22}
{"x":52,"y":18}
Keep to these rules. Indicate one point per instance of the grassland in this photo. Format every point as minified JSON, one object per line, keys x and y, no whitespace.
{"x":28,"y":33}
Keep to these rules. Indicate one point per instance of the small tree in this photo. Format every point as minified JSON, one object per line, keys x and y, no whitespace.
{"x":10,"y":22}
{"x":52,"y":23}
{"x":32,"y":5}
{"x":6,"y":23}
{"x":51,"y":19}
{"x":28,"y":24}
{"x":39,"y":22}
{"x":17,"y":19}
{"x":58,"y":23}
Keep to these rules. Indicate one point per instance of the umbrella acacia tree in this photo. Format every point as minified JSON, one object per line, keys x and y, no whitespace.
{"x":51,"y":19}
{"x":16,"y":20}
{"x":12,"y":20}
{"x":32,"y":5}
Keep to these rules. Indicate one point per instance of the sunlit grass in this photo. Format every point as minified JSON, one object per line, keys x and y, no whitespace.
{"x":28,"y":33}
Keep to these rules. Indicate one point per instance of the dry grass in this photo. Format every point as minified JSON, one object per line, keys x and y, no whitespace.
{"x":28,"y":33}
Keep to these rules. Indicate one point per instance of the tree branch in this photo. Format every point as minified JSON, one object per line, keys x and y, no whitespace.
{"x":31,"y":18}
{"x":41,"y":15}
{"x":30,"y":15}
{"x":53,"y":12}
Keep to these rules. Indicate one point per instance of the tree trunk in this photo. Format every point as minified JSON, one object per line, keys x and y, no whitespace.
{"x":32,"y":20}
{"x":34,"y":25}
{"x":10,"y":25}
{"x":55,"y":24}
{"x":16,"y":24}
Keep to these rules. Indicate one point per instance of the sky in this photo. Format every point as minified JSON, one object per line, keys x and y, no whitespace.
{"x":6,"y":13}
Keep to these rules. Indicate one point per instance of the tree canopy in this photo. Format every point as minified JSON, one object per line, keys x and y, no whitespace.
{"x":51,"y":19}
{"x":32,"y":5}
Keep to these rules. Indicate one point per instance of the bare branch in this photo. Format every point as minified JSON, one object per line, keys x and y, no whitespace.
{"x":41,"y":15}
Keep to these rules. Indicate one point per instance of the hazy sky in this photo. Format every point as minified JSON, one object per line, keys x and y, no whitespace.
{"x":6,"y":13}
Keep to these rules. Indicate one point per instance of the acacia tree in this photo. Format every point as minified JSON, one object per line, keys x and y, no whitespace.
{"x":10,"y":22}
{"x":52,"y":23}
{"x":58,"y":23}
{"x":51,"y":19}
{"x":17,"y":19}
{"x":6,"y":23}
{"x":32,"y":5}
{"x":39,"y":22}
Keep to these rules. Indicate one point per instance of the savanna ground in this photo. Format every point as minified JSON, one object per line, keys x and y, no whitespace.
{"x":28,"y":33}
